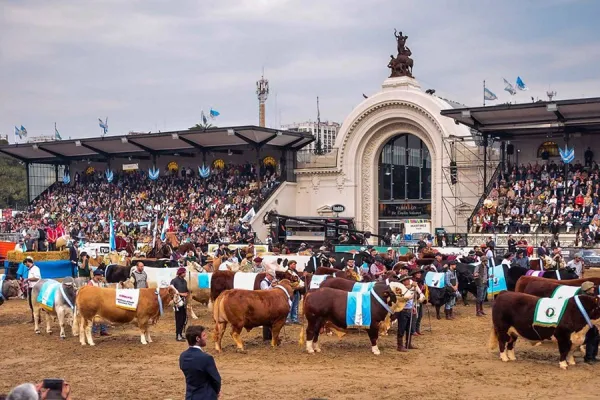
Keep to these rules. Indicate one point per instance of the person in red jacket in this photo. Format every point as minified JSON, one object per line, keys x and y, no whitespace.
{"x":51,"y":237}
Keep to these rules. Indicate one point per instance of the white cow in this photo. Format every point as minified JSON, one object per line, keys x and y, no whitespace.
{"x":64,"y":303}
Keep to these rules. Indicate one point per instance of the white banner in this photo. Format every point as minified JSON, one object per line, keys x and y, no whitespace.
{"x":417,"y":226}
{"x":258,"y":248}
{"x":127,"y":298}
{"x":130,"y":167}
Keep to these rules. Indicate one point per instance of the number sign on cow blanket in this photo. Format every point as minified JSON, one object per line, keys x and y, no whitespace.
{"x":244,"y":280}
{"x":316,"y":280}
{"x":47,"y":294}
{"x":127,"y":299}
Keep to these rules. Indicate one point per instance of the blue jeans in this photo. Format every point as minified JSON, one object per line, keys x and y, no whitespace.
{"x":450,"y":303}
{"x":293,"y":315}
{"x":101,"y":327}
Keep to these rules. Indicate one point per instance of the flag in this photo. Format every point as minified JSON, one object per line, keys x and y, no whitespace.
{"x":214,"y":113}
{"x":165,"y":228}
{"x":489,"y":95}
{"x":567,"y":155}
{"x":155,"y":230}
{"x":249,"y":215}
{"x":203,"y":117}
{"x":520,"y":84}
{"x":509,"y":88}
{"x":18,"y":133}
{"x":112,"y":240}
{"x":23,"y":131}
{"x":56,"y":134}
{"x":103,"y":125}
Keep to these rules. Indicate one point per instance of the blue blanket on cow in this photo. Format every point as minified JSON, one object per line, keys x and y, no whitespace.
{"x":358,"y":309}
{"x":363,"y":286}
{"x":435,"y":279}
{"x":204,"y":280}
{"x":497,"y":281}
{"x":47,"y":294}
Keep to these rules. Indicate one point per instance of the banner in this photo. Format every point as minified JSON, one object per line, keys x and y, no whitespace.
{"x":258,"y":248}
{"x":417,"y":225}
{"x":130,"y":167}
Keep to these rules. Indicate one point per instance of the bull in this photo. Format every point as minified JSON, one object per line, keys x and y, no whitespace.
{"x":63,"y":304}
{"x":8,"y":288}
{"x":513,"y":316}
{"x":513,"y":274}
{"x":223,"y":280}
{"x":247,"y":309}
{"x":524,"y":282}
{"x":92,"y":301}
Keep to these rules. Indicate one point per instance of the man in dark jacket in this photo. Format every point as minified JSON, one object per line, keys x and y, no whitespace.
{"x":592,"y":337}
{"x":202,"y":378}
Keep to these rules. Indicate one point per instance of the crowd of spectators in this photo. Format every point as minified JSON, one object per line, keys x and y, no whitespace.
{"x":200,"y":210}
{"x":544,"y":198}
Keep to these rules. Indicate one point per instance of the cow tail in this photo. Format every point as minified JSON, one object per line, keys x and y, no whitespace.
{"x":216,"y":316}
{"x":302,"y":338}
{"x":493,"y":343}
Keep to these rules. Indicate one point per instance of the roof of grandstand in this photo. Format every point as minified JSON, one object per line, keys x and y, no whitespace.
{"x":144,"y":146}
{"x":525,"y":119}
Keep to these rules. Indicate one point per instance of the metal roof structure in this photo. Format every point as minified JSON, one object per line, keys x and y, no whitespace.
{"x":144,"y":146}
{"x":510,"y":121}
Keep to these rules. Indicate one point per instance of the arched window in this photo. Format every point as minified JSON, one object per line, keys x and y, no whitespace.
{"x":550,"y":147}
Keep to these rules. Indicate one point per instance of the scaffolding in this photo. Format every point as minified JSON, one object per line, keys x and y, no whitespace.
{"x":465,"y":175}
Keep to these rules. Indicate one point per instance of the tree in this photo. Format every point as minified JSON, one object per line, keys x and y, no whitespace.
{"x":13,"y":178}
{"x":319,"y":147}
{"x":202,"y":126}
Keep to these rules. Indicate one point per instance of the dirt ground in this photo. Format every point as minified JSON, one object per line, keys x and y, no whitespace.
{"x":452,"y":362}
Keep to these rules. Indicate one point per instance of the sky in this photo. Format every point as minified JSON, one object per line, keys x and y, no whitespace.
{"x":151,"y":65}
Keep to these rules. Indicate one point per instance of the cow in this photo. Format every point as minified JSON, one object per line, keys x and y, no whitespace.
{"x":336,"y":273}
{"x":542,"y":287}
{"x":247,"y":309}
{"x":223,"y":280}
{"x":8,"y":288}
{"x":92,"y":301}
{"x":513,"y":274}
{"x":329,"y":305}
{"x":155,"y":263}
{"x":116,"y":273}
{"x":63,"y":299}
{"x":466,"y":281}
{"x":513,"y":316}
{"x":523,"y":283}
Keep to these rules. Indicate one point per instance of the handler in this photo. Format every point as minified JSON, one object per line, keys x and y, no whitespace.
{"x":180,"y":312}
{"x":98,"y":281}
{"x":266,"y":284}
{"x":451,"y":288}
{"x":592,"y":337}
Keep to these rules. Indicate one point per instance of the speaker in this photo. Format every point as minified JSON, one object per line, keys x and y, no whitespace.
{"x":510,"y":149}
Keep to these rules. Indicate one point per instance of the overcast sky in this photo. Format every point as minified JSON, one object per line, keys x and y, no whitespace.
{"x":153,"y":65}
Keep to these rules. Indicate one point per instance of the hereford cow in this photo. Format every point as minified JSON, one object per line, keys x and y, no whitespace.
{"x":93,"y":301}
{"x":329,"y":305}
{"x":247,"y":309}
{"x":513,"y":316}
{"x":223,"y":280}
{"x":8,"y":288}
{"x":62,"y":299}
{"x":336,"y":273}
{"x":545,"y":287}
{"x":523,"y":283}
{"x":513,"y":274}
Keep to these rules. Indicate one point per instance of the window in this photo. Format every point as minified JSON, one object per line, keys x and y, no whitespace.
{"x":550,"y":147}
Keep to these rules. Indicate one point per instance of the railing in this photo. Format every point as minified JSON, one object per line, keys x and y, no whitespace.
{"x":486,"y":191}
{"x":307,"y":159}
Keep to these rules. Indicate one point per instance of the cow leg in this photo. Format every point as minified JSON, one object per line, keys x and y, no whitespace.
{"x":36,"y":318}
{"x":510,"y":348}
{"x":373,"y":332}
{"x":276,"y":328}
{"x":48,"y":318}
{"x":219,"y":332}
{"x":143,"y":330}
{"x":235,"y":334}
{"x":503,"y":339}
{"x":81,"y":326}
{"x":310,"y":333}
{"x":464,"y":293}
{"x":191,"y":310}
{"x":315,"y":342}
{"x":60,"y":314}
{"x":88,"y":332}
{"x":564,"y":348}
{"x":437,"y":311}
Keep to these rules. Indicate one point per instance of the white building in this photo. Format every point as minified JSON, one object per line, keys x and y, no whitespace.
{"x":328,"y":131}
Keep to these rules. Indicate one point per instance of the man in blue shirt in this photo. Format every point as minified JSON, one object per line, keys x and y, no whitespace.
{"x":201,"y":375}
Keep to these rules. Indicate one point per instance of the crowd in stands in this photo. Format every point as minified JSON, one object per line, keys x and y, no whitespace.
{"x":544,"y":198}
{"x":200,"y":210}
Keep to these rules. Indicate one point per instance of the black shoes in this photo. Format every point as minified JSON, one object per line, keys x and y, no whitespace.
{"x":180,"y":338}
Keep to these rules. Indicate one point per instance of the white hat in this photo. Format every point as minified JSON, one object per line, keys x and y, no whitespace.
{"x":272,"y":273}
{"x":389,"y":248}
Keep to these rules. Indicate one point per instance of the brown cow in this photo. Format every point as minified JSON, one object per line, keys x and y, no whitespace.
{"x":513,"y":316}
{"x":223,"y":280}
{"x":524,"y":282}
{"x":329,"y":304}
{"x":94,"y":301}
{"x":249,"y":309}
{"x":336,"y":273}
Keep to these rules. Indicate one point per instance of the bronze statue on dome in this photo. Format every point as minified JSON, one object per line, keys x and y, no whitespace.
{"x":402,"y":64}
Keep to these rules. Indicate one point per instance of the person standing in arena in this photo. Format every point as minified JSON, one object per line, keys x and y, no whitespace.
{"x":180,"y":313}
{"x":34,"y":275}
{"x":481,"y":280}
{"x":293,"y":315}
{"x":98,"y":281}
{"x":267,"y":284}
{"x":451,"y":289}
{"x":140,"y":278}
{"x":202,"y":378}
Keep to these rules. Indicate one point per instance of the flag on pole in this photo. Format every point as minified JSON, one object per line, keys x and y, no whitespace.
{"x":567,"y":155}
{"x":103,"y":125}
{"x":509,"y":88}
{"x":165,"y":228}
{"x":214,"y":113}
{"x":489,"y":95}
{"x":520,"y":84}
{"x":155,"y":230}
{"x":23,"y":131}
{"x":249,"y":215}
{"x":111,"y":239}
{"x":203,"y":117}
{"x":56,"y":134}
{"x":18,"y":133}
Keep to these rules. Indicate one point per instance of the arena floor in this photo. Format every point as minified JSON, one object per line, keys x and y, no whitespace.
{"x":453,"y":362}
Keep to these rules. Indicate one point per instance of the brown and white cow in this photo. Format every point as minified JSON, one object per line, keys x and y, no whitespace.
{"x":223,"y":280}
{"x":513,"y":316}
{"x":93,"y":301}
{"x":63,"y":299}
{"x":249,"y":309}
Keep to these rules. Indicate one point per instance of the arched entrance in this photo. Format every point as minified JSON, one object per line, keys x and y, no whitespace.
{"x":404,"y":184}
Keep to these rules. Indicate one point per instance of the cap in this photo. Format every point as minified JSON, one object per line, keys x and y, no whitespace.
{"x":258,"y":260}
{"x":181,"y":270}
{"x":389,"y":248}
{"x":452,"y":262}
{"x":587,"y":285}
{"x":29,"y":258}
{"x":403,"y":278}
{"x":98,"y":272}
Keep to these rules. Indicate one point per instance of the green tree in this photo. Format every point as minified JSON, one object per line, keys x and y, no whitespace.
{"x":319,"y":147}
{"x":202,"y":126}
{"x":14,"y":183}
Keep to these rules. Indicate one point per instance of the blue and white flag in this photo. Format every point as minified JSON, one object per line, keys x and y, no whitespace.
{"x":47,"y":294}
{"x":520,"y":84}
{"x":489,"y":95}
{"x":249,"y":215}
{"x":18,"y":133}
{"x":214,"y":113}
{"x":358,"y":309}
{"x":435,"y":279}
{"x":567,"y":155}
{"x":155,"y":230}
{"x":23,"y":131}
{"x":204,"y":280}
{"x":203,"y":117}
{"x":509,"y":88}
{"x":165,"y":228}
{"x":363,"y":287}
{"x":496,"y":280}
{"x":103,"y":125}
{"x":111,"y":239}
{"x":56,"y":134}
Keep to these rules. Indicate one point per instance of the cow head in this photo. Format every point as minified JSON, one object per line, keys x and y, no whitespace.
{"x":401,"y":295}
{"x":9,"y":288}
{"x":69,"y":288}
{"x":386,"y":293}
{"x":595,"y":313}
